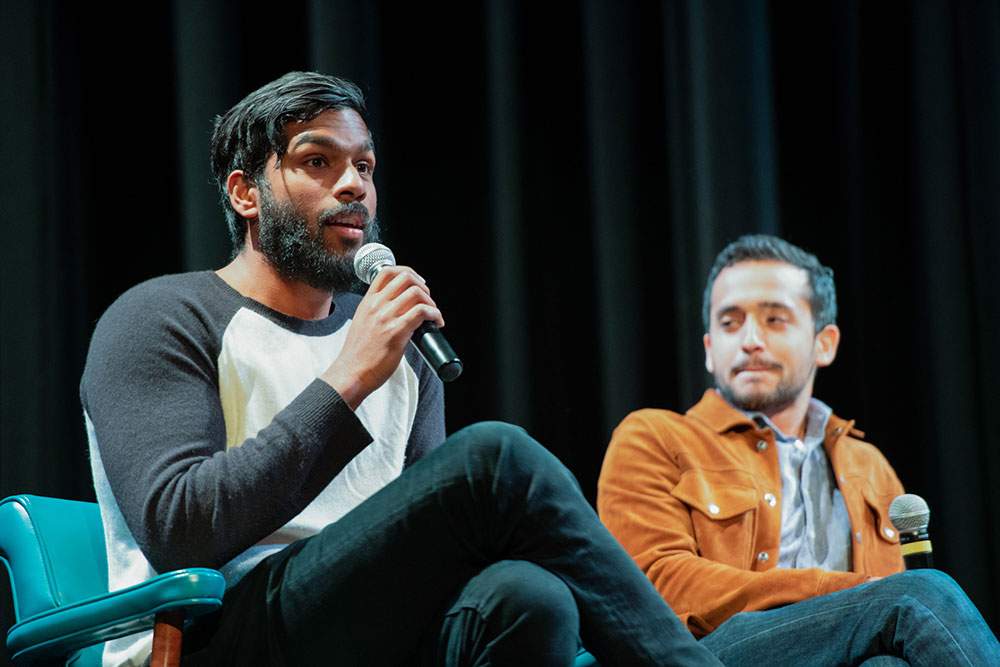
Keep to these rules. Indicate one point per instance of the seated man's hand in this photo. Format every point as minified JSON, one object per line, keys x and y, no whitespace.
{"x":397,"y":302}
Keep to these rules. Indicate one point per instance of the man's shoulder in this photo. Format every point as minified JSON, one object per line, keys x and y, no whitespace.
{"x":711,"y":433}
{"x":194,"y":303}
{"x":172,"y":287}
{"x":856,"y":460}
{"x":663,"y":430}
{"x":854,"y":445}
{"x":163,"y":322}
{"x":707,"y":413}
{"x":659,"y":418}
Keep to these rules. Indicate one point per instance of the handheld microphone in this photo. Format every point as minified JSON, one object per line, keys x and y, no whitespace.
{"x":433,"y":347}
{"x":910,"y":515}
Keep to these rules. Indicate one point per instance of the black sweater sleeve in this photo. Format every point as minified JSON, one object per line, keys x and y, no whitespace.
{"x":150,"y":388}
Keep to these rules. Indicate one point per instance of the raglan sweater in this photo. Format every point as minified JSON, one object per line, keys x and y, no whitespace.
{"x":214,"y":444}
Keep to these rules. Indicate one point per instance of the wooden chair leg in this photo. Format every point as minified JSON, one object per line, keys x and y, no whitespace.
{"x":168,"y":631}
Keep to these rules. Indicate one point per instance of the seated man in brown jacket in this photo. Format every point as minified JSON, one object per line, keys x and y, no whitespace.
{"x":760,"y":499}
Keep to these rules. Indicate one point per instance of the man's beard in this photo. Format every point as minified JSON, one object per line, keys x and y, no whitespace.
{"x":783,"y":395}
{"x":297,"y":252}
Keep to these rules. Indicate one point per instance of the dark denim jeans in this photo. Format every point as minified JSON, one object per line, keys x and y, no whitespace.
{"x":920,"y":616}
{"x":483,"y":553}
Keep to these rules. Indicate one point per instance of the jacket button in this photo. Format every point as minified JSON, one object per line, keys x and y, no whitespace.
{"x":761,"y":445}
{"x":889,"y":532}
{"x":771,"y":500}
{"x":837,"y":430}
{"x":713,"y":508}
{"x":858,"y":535}
{"x":762,"y":557}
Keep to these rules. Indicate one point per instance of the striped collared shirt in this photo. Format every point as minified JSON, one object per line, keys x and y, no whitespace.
{"x":815,"y":528}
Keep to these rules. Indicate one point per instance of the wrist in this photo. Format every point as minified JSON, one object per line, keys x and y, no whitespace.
{"x":351,"y":388}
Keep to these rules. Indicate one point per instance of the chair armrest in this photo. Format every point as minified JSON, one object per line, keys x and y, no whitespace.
{"x":60,"y":631}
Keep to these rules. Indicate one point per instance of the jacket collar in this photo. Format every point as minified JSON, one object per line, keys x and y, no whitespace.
{"x":715,"y":411}
{"x":719,"y":415}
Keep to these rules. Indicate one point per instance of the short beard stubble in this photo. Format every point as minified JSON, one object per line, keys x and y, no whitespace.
{"x":783,"y":396}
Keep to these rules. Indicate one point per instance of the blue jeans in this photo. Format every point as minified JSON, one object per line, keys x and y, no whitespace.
{"x":485,"y":552}
{"x":920,"y":616}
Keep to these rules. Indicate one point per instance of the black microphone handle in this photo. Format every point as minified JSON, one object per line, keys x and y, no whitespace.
{"x":433,"y":346}
{"x":437,"y":352}
{"x":917,"y":551}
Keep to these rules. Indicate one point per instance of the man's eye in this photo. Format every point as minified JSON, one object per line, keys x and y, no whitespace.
{"x":363,"y":168}
{"x":316,"y":162}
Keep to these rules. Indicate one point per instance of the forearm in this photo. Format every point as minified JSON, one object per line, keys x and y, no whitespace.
{"x":705,"y":593}
{"x":190,"y":501}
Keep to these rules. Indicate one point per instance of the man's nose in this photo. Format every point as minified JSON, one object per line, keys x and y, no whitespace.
{"x":349,"y":186}
{"x":751,"y":336}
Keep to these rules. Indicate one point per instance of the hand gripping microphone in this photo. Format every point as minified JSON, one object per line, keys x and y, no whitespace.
{"x":433,"y":346}
{"x":910,"y":515}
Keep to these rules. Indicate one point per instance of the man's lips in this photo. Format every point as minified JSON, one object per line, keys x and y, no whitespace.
{"x":351,"y":220}
{"x":351,"y":216}
{"x":755,"y":368}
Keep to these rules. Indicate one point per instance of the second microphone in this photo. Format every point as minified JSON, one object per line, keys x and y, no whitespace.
{"x":431,"y":343}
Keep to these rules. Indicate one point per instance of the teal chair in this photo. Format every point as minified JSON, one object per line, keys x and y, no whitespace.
{"x":54,"y":552}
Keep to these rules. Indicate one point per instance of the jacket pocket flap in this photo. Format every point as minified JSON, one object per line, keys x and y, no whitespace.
{"x":716,"y":494}
{"x":879,"y":503}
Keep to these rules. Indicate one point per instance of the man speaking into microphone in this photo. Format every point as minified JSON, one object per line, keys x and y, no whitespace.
{"x":762,"y":517}
{"x":266,"y":420}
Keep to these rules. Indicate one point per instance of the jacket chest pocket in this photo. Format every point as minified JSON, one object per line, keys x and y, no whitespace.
{"x":722,"y":514}
{"x":882,"y":555}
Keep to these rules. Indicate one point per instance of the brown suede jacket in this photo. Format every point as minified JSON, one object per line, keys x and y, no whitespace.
{"x":696,"y":500}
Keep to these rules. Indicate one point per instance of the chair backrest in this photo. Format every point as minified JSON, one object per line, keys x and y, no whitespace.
{"x":53,"y":550}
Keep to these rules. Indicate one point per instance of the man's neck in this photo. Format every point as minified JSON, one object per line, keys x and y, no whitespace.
{"x":791,"y":420}
{"x":251,"y":275}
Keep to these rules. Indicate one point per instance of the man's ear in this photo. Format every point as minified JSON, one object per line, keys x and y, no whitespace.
{"x":244,"y":196}
{"x":708,"y":354}
{"x":827,"y":341}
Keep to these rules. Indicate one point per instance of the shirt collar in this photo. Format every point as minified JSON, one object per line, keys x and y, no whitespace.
{"x":817,"y":415}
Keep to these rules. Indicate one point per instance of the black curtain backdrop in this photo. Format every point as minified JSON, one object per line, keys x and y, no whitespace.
{"x":563,"y":175}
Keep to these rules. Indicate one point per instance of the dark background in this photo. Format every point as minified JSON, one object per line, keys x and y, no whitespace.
{"x":562,"y":176}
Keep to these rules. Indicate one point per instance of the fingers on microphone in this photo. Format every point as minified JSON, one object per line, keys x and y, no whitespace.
{"x":401,"y":293}
{"x":429,"y":313}
{"x":396,"y":277}
{"x":406,"y":287}
{"x":416,"y":306}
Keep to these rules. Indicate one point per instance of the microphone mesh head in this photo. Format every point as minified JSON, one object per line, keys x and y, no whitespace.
{"x":369,"y":259}
{"x":909,"y":513}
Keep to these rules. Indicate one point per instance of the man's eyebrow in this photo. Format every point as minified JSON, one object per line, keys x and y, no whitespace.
{"x":725,"y":310}
{"x":323,"y":140}
{"x":770,"y":305}
{"x":774,"y":305}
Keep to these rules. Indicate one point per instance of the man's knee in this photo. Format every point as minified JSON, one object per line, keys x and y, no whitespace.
{"x":924,"y":581}
{"x":493,"y":434}
{"x":502,"y":444}
{"x":928,"y":586}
